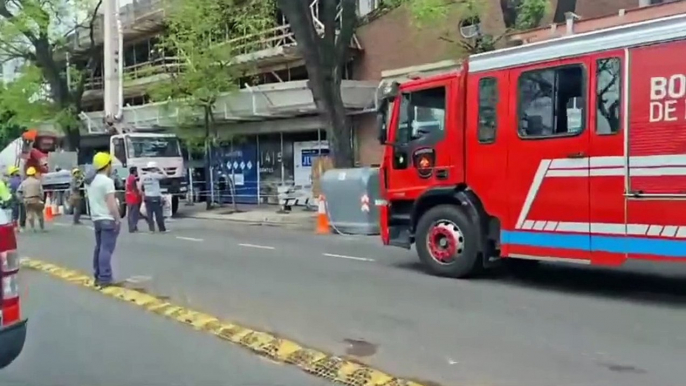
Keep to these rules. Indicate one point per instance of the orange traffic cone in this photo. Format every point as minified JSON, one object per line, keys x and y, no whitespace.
{"x":48,"y":209}
{"x":322,"y":218}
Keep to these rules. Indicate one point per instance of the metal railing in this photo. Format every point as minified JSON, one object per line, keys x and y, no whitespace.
{"x":275,"y":37}
{"x":144,"y":70}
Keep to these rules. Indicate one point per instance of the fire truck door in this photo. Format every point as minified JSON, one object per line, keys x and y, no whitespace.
{"x":417,"y":162}
{"x":548,"y":189}
{"x":607,"y":172}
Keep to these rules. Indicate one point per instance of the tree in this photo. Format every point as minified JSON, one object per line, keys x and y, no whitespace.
{"x":326,"y":55}
{"x":512,"y":15}
{"x":198,"y":33}
{"x":37,"y":32}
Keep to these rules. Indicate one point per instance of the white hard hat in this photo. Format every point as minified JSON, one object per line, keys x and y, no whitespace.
{"x":152,"y":164}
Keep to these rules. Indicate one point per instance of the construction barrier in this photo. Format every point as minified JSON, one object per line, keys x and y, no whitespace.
{"x":350,"y":196}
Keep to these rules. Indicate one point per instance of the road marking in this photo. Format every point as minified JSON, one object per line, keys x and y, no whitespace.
{"x":348,"y":257}
{"x":279,"y":349}
{"x":189,"y":238}
{"x":59,"y":224}
{"x":256,"y":246}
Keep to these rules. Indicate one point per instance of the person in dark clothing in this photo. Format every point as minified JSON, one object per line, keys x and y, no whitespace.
{"x":75,"y":195}
{"x":15,"y":203}
{"x":133,"y":200}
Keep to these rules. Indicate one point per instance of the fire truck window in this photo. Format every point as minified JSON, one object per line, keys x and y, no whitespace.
{"x":422,"y":115}
{"x":608,"y":95}
{"x":551,"y":102}
{"x":488,"y":99}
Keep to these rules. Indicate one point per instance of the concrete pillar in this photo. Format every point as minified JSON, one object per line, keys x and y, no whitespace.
{"x":113,"y":63}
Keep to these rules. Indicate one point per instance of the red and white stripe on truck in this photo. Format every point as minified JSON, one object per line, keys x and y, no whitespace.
{"x":12,"y":326}
{"x":9,"y":271}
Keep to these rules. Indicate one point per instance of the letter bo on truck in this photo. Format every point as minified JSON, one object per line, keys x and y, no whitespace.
{"x":572,"y":149}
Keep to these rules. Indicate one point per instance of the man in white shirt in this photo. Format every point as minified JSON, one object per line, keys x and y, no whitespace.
{"x":105,"y":215}
{"x":152,"y":196}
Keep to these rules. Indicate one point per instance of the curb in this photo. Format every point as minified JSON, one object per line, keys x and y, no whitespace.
{"x":333,"y":368}
{"x":254,"y":222}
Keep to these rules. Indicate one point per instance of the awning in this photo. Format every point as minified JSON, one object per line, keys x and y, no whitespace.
{"x":259,"y":103}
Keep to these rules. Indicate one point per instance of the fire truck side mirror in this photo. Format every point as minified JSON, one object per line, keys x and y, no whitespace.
{"x":383,"y":132}
{"x":381,"y":121}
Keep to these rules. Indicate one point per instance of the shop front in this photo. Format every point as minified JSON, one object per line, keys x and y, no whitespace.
{"x":259,"y":164}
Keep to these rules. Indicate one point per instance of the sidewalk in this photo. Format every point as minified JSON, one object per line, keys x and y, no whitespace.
{"x":298,"y":218}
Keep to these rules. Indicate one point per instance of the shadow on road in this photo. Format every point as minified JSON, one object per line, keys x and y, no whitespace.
{"x":654,"y":283}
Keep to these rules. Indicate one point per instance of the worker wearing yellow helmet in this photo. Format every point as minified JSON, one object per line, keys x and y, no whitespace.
{"x":5,"y":195}
{"x":105,"y":215}
{"x":75,"y":194}
{"x":14,"y":182}
{"x":32,"y":192}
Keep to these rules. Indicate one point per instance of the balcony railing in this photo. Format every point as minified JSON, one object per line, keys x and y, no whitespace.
{"x":276,"y":37}
{"x":139,"y":71}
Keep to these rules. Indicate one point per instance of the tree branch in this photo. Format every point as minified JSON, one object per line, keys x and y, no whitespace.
{"x":347,"y":30}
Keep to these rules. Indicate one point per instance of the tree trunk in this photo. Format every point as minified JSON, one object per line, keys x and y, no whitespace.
{"x":327,"y":97}
{"x":208,"y":161}
{"x":232,"y":185}
{"x":73,"y":138}
{"x":325,"y":59}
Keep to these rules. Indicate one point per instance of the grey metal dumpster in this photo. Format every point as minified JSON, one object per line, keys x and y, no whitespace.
{"x":350,"y":195}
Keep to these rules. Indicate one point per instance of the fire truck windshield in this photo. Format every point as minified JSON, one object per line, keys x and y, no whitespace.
{"x":153,"y":147}
{"x":422,"y":114}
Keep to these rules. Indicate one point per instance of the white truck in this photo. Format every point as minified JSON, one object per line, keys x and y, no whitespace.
{"x":129,"y":149}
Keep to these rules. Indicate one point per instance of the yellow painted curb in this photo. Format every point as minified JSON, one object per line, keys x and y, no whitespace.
{"x":315,"y":362}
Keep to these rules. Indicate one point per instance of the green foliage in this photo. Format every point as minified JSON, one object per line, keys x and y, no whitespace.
{"x":199,"y":35}
{"x":36,"y":33}
{"x":431,"y":13}
{"x":530,"y":13}
{"x":25,"y":98}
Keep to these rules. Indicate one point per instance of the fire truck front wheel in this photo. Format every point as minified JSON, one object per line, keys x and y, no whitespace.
{"x":446,"y":242}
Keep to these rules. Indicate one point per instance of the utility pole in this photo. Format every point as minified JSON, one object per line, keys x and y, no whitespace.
{"x":113,"y":66}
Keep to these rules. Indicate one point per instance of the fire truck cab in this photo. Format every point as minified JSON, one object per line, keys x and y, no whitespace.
{"x":572,"y":149}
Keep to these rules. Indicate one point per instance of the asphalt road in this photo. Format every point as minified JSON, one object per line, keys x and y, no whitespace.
{"x":560,"y":326}
{"x":81,"y":338}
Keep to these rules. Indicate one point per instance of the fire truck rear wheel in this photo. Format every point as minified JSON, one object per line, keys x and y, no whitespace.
{"x":446,"y":242}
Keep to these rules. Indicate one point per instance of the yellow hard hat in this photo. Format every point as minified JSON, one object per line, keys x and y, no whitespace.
{"x":101,"y":160}
{"x":12,"y":169}
{"x":31,"y":171}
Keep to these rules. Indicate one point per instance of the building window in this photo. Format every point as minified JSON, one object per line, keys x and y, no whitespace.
{"x":552,"y":102}
{"x":608,"y":95}
{"x":365,"y":7}
{"x":488,"y":101}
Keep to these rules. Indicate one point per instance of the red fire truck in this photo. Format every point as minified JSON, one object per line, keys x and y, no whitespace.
{"x":572,"y":149}
{"x":12,"y":326}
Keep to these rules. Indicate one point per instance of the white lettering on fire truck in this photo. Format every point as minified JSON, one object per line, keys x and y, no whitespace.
{"x":666,"y":96}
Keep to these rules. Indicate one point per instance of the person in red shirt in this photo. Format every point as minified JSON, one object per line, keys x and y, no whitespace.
{"x":133,"y":200}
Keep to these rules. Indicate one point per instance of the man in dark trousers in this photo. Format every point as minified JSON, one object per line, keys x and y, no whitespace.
{"x":152,"y":196}
{"x":133,"y":199}
{"x":75,"y":195}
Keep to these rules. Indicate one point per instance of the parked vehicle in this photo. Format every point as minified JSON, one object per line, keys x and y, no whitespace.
{"x":12,"y":326}
{"x":129,"y":149}
{"x":570,"y":150}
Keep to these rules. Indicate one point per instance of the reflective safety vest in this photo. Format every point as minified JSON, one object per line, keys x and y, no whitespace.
{"x":5,"y":194}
